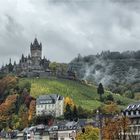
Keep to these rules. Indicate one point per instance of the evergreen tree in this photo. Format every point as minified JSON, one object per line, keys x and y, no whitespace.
{"x":68,"y":113}
{"x":100,"y":90}
{"x":75,"y":114}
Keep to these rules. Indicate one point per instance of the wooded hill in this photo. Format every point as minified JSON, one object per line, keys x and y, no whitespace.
{"x":118,"y":72}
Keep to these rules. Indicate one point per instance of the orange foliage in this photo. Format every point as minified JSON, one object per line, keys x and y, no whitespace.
{"x":32,"y":109}
{"x":6,"y":108}
{"x":113,"y":128}
{"x":6,"y":82}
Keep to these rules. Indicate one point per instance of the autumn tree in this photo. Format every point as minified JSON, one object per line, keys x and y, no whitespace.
{"x":70,"y":109}
{"x":69,"y":101}
{"x":7,"y":83}
{"x":23,"y":116}
{"x":32,"y":110}
{"x":89,"y":133}
{"x":114,"y":124}
{"x":116,"y":128}
{"x":110,"y":108}
{"x":15,"y":122}
{"x":7,"y":108}
{"x":100,"y":90}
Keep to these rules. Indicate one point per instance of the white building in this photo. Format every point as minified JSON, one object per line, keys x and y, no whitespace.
{"x":50,"y":104}
{"x":133,"y":113}
{"x":64,"y":131}
{"x":63,"y":135}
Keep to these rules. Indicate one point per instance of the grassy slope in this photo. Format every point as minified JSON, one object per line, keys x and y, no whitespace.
{"x":83,"y":95}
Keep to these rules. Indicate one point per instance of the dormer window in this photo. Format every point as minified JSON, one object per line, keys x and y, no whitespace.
{"x":128,"y":106}
{"x":132,"y":106}
{"x":138,"y":106}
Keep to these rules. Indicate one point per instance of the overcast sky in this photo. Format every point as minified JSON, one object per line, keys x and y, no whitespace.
{"x":68,"y":27}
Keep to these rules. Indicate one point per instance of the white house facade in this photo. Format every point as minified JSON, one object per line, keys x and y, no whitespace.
{"x":50,"y":104}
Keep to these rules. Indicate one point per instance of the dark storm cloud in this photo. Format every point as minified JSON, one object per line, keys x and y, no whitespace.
{"x":68,"y":27}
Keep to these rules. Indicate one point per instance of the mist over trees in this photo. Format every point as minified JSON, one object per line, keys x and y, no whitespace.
{"x":117,"y":71}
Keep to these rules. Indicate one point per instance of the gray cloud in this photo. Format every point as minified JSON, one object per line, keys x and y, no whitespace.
{"x":68,"y":27}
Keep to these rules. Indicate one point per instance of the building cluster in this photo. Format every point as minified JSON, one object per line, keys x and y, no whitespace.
{"x":53,"y":104}
{"x":34,"y":65}
{"x":31,"y":65}
{"x":64,"y":131}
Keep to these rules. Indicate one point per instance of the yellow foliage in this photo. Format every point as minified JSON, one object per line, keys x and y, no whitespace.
{"x":69,"y":101}
{"x":91,"y":133}
{"x":111,"y":108}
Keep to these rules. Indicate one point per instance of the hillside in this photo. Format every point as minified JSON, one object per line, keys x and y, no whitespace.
{"x":83,"y":95}
{"x":119,"y":72}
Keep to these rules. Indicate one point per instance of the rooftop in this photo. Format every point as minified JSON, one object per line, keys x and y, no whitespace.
{"x":48,"y":99}
{"x":134,"y":106}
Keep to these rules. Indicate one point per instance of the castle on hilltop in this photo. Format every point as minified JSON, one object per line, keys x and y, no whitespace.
{"x":31,"y":65}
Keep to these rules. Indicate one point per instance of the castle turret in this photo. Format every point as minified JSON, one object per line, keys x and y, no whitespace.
{"x":36,"y":53}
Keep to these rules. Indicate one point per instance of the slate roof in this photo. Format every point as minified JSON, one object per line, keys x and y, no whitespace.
{"x":48,"y":99}
{"x":133,"y":107}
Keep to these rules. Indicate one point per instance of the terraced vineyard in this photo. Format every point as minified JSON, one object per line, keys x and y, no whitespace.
{"x":83,"y":95}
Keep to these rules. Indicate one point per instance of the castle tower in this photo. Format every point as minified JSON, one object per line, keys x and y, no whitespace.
{"x":36,"y":49}
{"x":36,"y":53}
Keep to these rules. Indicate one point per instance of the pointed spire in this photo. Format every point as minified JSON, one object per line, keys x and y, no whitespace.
{"x":14,"y":62}
{"x":29,"y":57}
{"x":36,"y":42}
{"x":10,"y":61}
{"x":22,"y":58}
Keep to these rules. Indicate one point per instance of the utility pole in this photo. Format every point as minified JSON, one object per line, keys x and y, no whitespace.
{"x":99,"y":116}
